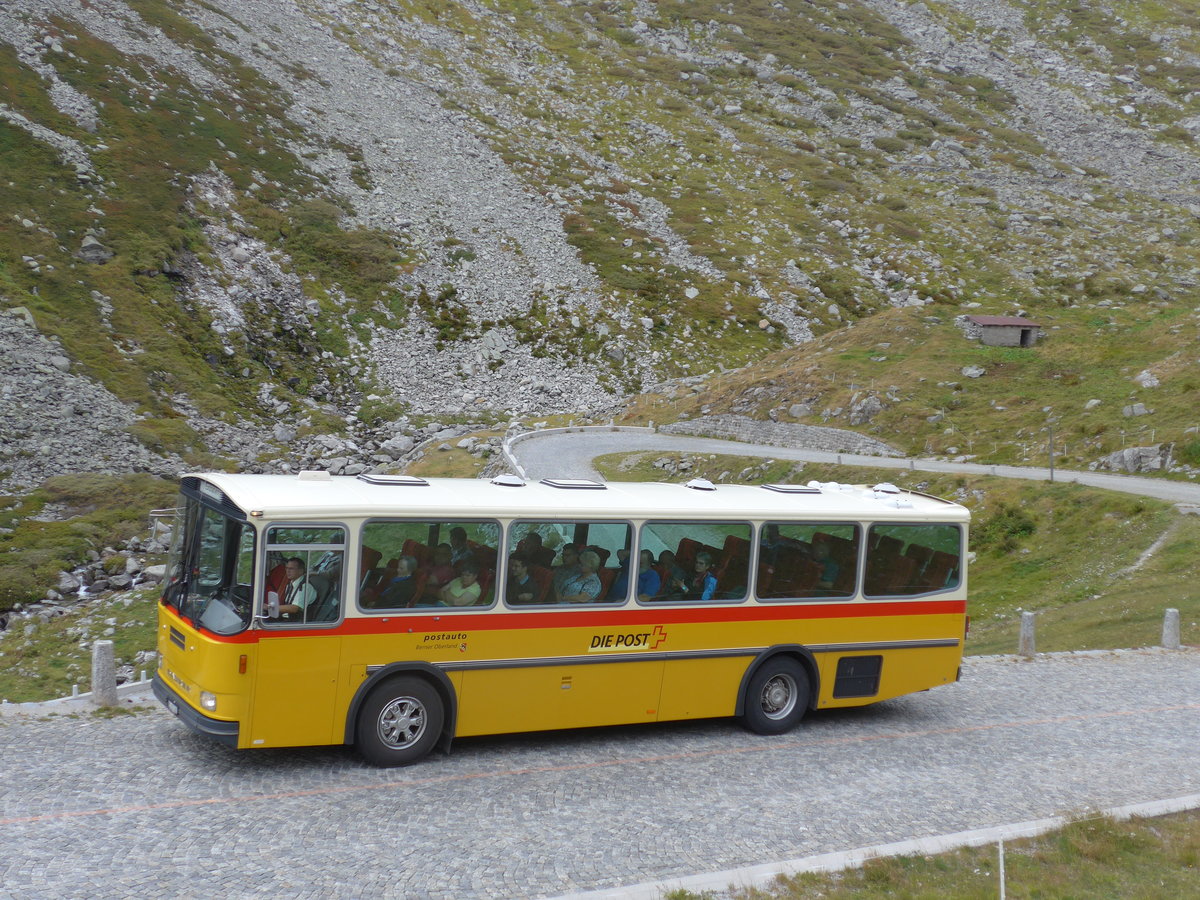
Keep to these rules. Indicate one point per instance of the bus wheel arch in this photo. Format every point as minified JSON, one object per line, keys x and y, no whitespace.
{"x":777,"y":690}
{"x":383,"y":682}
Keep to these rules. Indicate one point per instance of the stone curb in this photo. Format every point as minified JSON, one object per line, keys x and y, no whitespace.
{"x":132,"y":693}
{"x":763,"y":875}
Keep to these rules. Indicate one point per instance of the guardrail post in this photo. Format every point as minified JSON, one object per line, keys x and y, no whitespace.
{"x":1027,"y":642}
{"x":104,"y":674}
{"x":1170,"y":638}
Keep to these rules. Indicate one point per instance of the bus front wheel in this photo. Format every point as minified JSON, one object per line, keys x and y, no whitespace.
{"x":776,"y":697}
{"x":400,"y":722}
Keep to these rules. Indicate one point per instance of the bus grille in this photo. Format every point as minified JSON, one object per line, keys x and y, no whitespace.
{"x":177,"y":638}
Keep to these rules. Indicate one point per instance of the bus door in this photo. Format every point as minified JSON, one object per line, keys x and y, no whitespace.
{"x":299,"y":658}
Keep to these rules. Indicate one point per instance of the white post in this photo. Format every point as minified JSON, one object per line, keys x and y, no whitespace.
{"x":1001,"y":868}
{"x":1027,"y":641}
{"x":104,"y":674}
{"x":1170,"y":638}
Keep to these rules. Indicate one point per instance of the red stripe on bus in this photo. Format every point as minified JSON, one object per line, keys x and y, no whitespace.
{"x":491,"y":620}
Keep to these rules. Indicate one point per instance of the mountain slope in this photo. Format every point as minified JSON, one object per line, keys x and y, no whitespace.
{"x":259,"y":224}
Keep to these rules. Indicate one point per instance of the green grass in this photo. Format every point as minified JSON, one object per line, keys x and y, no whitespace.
{"x":88,"y":512}
{"x":1095,"y":857}
{"x":1059,"y":550}
{"x":49,"y":662}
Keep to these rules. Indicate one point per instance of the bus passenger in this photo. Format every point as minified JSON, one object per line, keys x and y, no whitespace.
{"x":465,"y":589}
{"x":567,"y":569}
{"x":703,"y":583}
{"x":299,"y":593}
{"x":827,"y":566}
{"x":442,"y":571}
{"x":522,"y":589}
{"x":584,"y":586}
{"x":459,"y":548}
{"x":674,"y":578}
{"x":399,"y":591}
{"x":648,"y":580}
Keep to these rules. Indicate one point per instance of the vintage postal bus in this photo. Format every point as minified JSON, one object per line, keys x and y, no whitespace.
{"x":396,"y":613}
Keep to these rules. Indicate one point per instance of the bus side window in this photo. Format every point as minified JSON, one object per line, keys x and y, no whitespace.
{"x":807,"y":560}
{"x":574,"y":561}
{"x":903,"y":559}
{"x":309,"y":588}
{"x":699,"y":561}
{"x":421,"y":563}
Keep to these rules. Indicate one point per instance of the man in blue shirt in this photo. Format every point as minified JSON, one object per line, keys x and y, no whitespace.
{"x":648,"y":580}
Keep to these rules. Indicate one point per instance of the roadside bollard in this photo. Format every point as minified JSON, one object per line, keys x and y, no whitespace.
{"x":1170,"y":638}
{"x":1027,"y":643}
{"x":104,"y":674}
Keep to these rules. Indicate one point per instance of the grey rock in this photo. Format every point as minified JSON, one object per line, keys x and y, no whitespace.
{"x":92,"y":251}
{"x":68,"y":583}
{"x":974,"y":371}
{"x":866,"y":410}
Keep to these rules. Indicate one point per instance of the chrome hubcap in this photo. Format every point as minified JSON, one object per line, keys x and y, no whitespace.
{"x":778,"y":697}
{"x":402,"y":722}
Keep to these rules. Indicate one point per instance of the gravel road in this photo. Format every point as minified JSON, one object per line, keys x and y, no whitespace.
{"x":570,"y":455}
{"x":139,"y":806}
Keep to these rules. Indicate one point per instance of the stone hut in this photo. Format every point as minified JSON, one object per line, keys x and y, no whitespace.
{"x":1002,"y":331}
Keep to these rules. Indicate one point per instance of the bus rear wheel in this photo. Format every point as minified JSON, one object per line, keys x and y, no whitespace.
{"x":776,"y":697}
{"x":400,"y":722}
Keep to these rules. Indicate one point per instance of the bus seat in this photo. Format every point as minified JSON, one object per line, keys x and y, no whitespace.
{"x":902,"y":576}
{"x":418,"y":551}
{"x":887,"y":546}
{"x":920,"y":553}
{"x":544,"y":578}
{"x":765,"y":574}
{"x":607,"y":577}
{"x":370,"y":559}
{"x":939,"y":570}
{"x":371,"y":586}
{"x":734,"y":548}
{"x":324,"y":607}
{"x":685,"y":554}
{"x":486,"y":577}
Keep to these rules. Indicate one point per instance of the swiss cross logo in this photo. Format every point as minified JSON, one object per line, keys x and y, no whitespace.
{"x":658,"y":636}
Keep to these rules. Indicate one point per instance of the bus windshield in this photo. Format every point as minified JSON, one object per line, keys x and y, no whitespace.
{"x":211,"y":566}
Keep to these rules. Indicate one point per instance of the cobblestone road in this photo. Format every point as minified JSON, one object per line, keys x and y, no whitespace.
{"x":138,"y":806}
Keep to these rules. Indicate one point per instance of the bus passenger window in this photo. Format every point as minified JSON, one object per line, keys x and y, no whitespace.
{"x":571,"y":561}
{"x":807,"y":560}
{"x":419,"y":563}
{"x":698,"y":562}
{"x":903,"y":559}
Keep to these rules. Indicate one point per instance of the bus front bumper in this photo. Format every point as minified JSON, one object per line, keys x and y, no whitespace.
{"x":223,"y":732}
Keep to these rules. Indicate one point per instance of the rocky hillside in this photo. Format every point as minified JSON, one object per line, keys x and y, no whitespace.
{"x":262,"y":234}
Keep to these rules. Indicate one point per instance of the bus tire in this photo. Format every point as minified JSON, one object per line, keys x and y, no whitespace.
{"x":400,"y":722}
{"x":776,"y":696}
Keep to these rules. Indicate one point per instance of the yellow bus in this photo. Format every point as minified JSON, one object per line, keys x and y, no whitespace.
{"x":396,"y":613}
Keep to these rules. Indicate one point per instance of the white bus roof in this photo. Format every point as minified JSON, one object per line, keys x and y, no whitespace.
{"x":316,"y":495}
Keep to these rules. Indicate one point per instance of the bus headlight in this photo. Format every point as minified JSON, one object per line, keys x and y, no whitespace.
{"x":208,"y":701}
